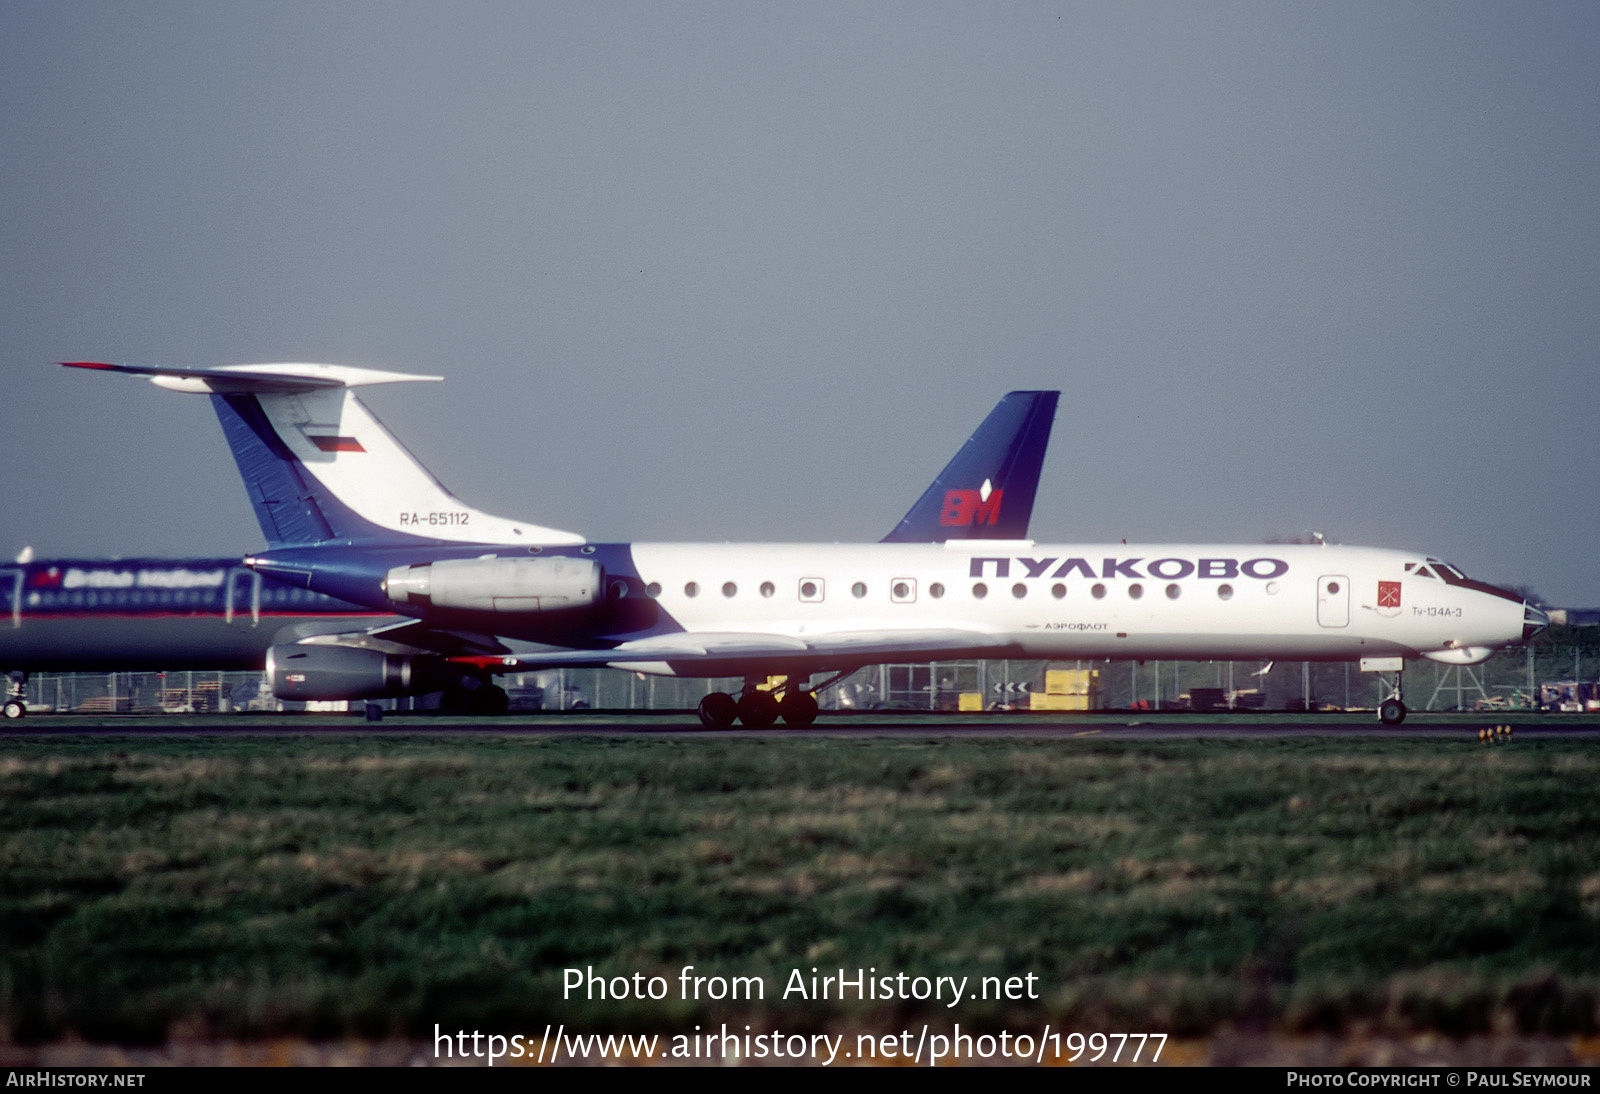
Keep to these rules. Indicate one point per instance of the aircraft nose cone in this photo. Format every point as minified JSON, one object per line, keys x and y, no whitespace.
{"x":1533,"y":621}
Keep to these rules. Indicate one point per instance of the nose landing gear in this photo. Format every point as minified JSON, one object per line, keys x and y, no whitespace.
{"x":1392,"y":710}
{"x":16,"y":690}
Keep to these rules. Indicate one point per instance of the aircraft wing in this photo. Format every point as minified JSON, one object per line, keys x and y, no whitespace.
{"x":406,"y":637}
{"x":414,"y":634}
{"x":732,"y":654}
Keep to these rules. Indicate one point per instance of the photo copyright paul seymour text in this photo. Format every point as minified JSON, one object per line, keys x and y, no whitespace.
{"x":1466,"y":1079}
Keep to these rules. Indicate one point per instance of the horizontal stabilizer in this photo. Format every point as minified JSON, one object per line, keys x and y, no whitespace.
{"x":255,"y":379}
{"x":318,"y":465}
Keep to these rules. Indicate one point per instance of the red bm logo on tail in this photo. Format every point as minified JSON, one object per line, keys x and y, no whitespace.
{"x":969,"y":507}
{"x":335,"y":444}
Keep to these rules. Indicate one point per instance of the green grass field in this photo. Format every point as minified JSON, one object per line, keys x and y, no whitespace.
{"x":251,"y":886}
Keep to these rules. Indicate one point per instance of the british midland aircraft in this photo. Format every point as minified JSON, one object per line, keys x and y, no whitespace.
{"x":349,"y":513}
{"x":152,"y":614}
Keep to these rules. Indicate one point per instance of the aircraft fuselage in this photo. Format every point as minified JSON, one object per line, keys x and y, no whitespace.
{"x":1022,"y":599}
{"x":134,"y":615}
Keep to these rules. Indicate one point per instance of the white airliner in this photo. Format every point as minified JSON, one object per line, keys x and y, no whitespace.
{"x":349,"y":513}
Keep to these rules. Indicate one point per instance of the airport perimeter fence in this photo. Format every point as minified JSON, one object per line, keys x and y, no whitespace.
{"x":1548,"y":675}
{"x":146,"y":692}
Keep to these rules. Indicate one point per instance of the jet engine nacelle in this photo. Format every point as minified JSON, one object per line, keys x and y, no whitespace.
{"x":499,"y":584}
{"x":305,"y":673}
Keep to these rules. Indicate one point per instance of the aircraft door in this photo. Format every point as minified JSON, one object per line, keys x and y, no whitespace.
{"x":1333,"y":600}
{"x":11,"y":596}
{"x":242,"y":598}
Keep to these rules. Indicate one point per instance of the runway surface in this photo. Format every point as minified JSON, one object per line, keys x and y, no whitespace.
{"x":1112,"y":726}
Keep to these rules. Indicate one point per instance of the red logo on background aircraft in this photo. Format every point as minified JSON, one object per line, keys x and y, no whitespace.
{"x":965,"y":508}
{"x":1388,"y":594}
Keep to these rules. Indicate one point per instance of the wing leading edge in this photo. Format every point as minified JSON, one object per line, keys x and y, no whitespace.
{"x":733,"y":654}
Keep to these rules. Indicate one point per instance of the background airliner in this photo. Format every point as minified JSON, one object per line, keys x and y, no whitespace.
{"x":148,"y":614}
{"x":349,"y":513}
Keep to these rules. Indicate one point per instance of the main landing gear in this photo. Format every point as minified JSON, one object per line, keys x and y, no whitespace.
{"x":475,"y":695}
{"x":758,"y":708}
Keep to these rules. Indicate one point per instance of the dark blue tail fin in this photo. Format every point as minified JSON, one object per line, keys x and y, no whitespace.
{"x":287,"y":506}
{"x":987,"y":491}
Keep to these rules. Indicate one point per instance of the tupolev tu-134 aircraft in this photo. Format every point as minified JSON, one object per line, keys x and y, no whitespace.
{"x":349,"y":513}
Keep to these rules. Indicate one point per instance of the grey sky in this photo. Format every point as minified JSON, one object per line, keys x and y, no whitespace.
{"x":752,"y":271}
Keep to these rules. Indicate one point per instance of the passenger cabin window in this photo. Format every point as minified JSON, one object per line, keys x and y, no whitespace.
{"x":812,"y":590}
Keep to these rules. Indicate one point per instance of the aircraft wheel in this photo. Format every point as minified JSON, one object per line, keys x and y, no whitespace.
{"x":758,"y":709}
{"x":490,"y":700}
{"x":718,"y":710}
{"x":1391,"y":712}
{"x":15,"y":708}
{"x":798,"y":708}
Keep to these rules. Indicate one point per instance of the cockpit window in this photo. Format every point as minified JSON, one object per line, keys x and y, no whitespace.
{"x":1446,"y":570}
{"x":1452,"y":576}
